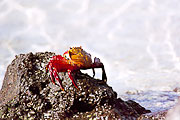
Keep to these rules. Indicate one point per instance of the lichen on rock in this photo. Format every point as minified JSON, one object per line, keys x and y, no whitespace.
{"x":28,"y":93}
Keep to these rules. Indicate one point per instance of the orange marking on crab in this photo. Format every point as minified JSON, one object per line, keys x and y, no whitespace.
{"x":73,"y":60}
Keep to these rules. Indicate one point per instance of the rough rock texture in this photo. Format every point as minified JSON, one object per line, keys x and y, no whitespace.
{"x":161,"y":115}
{"x":27,"y":93}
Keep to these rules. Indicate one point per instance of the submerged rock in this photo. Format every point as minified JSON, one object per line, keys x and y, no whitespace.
{"x":28,"y":93}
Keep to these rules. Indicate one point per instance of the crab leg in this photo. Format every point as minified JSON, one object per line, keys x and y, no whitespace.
{"x":104,"y":77}
{"x":72,"y":79}
{"x":51,"y":74}
{"x":54,"y":75}
{"x":57,"y":78}
{"x":93,"y":72}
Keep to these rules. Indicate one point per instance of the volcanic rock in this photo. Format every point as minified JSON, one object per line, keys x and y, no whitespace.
{"x":28,"y":93}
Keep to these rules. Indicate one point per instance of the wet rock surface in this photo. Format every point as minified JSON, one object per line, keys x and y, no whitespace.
{"x":161,"y":115}
{"x":28,"y":93}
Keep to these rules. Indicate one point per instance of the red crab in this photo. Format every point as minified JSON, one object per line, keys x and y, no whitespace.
{"x":73,"y":60}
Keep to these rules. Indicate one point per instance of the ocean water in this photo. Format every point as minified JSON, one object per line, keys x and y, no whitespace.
{"x":137,"y":40}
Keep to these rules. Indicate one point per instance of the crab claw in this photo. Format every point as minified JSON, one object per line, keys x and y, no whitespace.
{"x":98,"y":64}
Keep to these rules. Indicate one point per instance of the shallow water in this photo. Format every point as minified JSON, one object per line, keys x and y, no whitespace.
{"x":138,"y":41}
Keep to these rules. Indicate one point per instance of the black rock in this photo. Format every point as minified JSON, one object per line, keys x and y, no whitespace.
{"x":28,"y":93}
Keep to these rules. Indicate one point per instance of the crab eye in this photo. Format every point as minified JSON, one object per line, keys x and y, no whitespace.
{"x":66,"y":56}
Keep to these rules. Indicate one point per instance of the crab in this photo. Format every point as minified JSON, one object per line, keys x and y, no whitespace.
{"x":72,"y":61}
